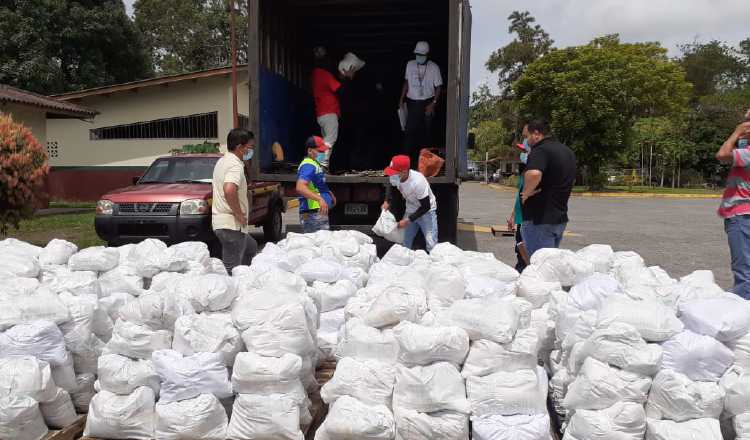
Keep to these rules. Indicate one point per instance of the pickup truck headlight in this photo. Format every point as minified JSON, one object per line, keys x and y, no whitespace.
{"x":105,"y":207}
{"x":194,"y":207}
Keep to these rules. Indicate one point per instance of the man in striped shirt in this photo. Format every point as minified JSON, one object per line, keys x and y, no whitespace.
{"x":735,"y":204}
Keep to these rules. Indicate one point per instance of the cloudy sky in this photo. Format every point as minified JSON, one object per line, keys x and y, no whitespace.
{"x":574,"y":22}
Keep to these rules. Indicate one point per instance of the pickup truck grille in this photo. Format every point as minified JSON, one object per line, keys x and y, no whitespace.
{"x":147,"y":208}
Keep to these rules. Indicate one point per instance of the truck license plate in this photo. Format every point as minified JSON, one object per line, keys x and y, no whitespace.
{"x":355,"y":209}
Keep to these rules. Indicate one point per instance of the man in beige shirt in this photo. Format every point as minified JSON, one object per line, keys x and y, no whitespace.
{"x":231,"y":207}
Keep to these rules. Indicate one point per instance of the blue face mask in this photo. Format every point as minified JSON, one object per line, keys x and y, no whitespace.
{"x":524,"y":158}
{"x":395,"y":179}
{"x":742,"y":143}
{"x":320,"y":157}
{"x":248,"y":155}
{"x":421,"y":59}
{"x":526,"y":145}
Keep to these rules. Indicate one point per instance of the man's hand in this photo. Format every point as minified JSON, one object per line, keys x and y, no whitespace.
{"x":333,"y":199}
{"x":526,"y":196}
{"x":742,"y":130}
{"x":403,"y":223}
{"x":241,"y":218}
{"x":430,"y":109}
{"x":323,"y":207}
{"x":385,"y":206}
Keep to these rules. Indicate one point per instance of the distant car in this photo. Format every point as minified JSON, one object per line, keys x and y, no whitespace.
{"x":496,"y":176}
{"x":172,"y":202}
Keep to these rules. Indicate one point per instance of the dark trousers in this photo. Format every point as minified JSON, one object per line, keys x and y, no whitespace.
{"x":520,"y":263}
{"x":418,"y":129}
{"x":237,"y":248}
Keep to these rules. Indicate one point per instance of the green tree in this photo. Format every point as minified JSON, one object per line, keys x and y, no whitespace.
{"x":660,"y":147}
{"x":490,"y":138}
{"x":190,"y":35}
{"x":54,"y":46}
{"x":593,"y":95}
{"x":530,"y":43}
{"x":713,"y":67}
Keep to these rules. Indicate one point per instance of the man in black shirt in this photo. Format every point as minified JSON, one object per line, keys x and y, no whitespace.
{"x":548,"y":181}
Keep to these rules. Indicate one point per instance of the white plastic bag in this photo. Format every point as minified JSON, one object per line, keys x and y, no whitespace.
{"x":328,"y":333}
{"x":185,"y":377}
{"x":129,"y":417}
{"x":59,"y":412}
{"x":420,"y":345}
{"x":84,"y":392}
{"x":264,"y":417}
{"x":42,"y":339}
{"x":200,"y":418}
{"x":696,"y":356}
{"x":95,"y":259}
{"x":397,"y":303}
{"x":736,"y":384}
{"x":561,"y":265}
{"x":209,"y":333}
{"x":673,"y":396}
{"x":16,"y":265}
{"x":600,"y":255}
{"x":483,"y":318}
{"x":287,"y":332}
{"x":480,"y":286}
{"x":533,"y":288}
{"x":518,"y":427}
{"x":441,"y":425}
{"x":621,"y":421}
{"x":361,"y":341}
{"x":508,"y":393}
{"x":122,"y":375}
{"x":61,"y":279}
{"x":599,"y":386}
{"x":348,"y":419}
{"x":27,"y":376}
{"x":621,"y":345}
{"x":137,"y":341}
{"x":703,"y":429}
{"x":326,"y":270}
{"x":368,"y":381}
{"x":256,"y":374}
{"x":387,"y":227}
{"x":57,"y":252}
{"x":436,"y":387}
{"x":333,"y":296}
{"x":122,"y":278}
{"x":741,"y":350}
{"x":487,"y":357}
{"x":209,"y":292}
{"x":444,"y":286}
{"x":20,"y":419}
{"x":741,"y":424}
{"x":42,"y":304}
{"x":654,"y":321}
{"x":725,"y":317}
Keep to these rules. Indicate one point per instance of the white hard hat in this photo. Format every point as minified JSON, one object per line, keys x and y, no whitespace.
{"x":423,"y":48}
{"x":350,"y":61}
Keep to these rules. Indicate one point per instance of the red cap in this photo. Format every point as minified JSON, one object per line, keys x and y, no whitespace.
{"x":521,"y":147}
{"x":398,"y":164}
{"x":318,"y":143}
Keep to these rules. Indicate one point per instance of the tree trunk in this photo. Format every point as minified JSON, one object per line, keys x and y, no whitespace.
{"x":679,"y":175}
{"x":674,"y":173}
{"x":595,"y":179}
{"x":650,"y":166}
{"x":663,"y":166}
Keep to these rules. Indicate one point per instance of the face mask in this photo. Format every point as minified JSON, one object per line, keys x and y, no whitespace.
{"x":320,"y":157}
{"x":248,"y":155}
{"x":524,"y":158}
{"x":742,"y":143}
{"x":526,"y":145}
{"x":395,"y":180}
{"x":421,"y":59}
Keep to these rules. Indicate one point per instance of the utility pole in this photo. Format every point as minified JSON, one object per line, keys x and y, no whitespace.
{"x":235,"y":116}
{"x":486,"y":164}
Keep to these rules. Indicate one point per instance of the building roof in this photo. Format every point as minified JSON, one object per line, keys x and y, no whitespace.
{"x":52,"y":106}
{"x":135,"y":85}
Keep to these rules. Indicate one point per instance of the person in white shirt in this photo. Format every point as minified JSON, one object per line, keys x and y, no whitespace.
{"x":423,"y":86}
{"x":230,"y":206}
{"x":421,"y":207}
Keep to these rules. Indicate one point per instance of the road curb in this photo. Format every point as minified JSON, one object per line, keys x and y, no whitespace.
{"x":624,"y":195}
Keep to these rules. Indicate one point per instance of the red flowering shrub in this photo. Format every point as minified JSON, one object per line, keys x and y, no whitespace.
{"x":23,"y":168}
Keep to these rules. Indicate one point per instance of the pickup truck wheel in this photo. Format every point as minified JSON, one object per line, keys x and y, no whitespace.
{"x":272,"y":227}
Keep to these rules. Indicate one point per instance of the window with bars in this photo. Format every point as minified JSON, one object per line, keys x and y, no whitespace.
{"x":53,"y":149}
{"x":198,"y":126}
{"x":244,"y":121}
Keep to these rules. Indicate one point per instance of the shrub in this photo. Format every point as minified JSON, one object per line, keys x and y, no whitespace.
{"x":205,"y":147}
{"x":24,"y":169}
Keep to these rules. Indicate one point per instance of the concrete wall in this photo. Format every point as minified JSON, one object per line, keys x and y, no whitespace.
{"x":32,"y":117}
{"x":149,"y":103}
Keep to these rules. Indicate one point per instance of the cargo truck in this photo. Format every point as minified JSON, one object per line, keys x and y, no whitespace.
{"x":281,"y":37}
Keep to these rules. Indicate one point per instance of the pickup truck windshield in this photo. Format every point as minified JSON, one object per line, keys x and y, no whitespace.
{"x":180,"y":170}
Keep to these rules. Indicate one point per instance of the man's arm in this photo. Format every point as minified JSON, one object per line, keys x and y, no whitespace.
{"x":531,"y":180}
{"x":726,"y":152}
{"x":424,"y":207}
{"x":231,"y":193}
{"x":404,"y":91}
{"x":388,"y":197}
{"x":305,"y":192}
{"x":431,"y":106}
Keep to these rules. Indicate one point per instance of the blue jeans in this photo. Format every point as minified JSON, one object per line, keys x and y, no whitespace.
{"x":537,"y":237}
{"x":738,"y":235}
{"x":313,"y":222}
{"x":428,"y":224}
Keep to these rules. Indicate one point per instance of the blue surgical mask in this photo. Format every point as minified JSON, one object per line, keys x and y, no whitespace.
{"x":526,"y":145}
{"x":320,"y":157}
{"x":248,"y":155}
{"x":394,"y":179}
{"x":524,"y":158}
{"x":421,"y":59}
{"x":742,"y":143}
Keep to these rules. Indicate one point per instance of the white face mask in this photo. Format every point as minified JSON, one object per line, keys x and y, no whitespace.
{"x":395,"y":180}
{"x":421,"y":59}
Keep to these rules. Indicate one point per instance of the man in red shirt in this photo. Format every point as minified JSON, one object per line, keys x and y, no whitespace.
{"x":327,"y":109}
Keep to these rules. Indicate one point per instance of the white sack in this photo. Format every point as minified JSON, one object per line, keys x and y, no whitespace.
{"x":436,"y":387}
{"x":26,"y":376}
{"x":20,"y":247}
{"x":484,"y":318}
{"x":43,"y":304}
{"x":209,"y":292}
{"x":60,"y":279}
{"x":122,"y":278}
{"x":209,"y":333}
{"x":621,"y":421}
{"x":736,"y":384}
{"x":697,"y":429}
{"x":654,"y":321}
{"x":137,"y":341}
{"x":387,"y":227}
{"x":20,"y":419}
{"x":84,"y":392}
{"x":368,"y":381}
{"x":156,"y":310}
{"x":533,"y":288}
{"x":264,"y":417}
{"x":326,"y":270}
{"x":16,"y":265}
{"x":57,"y":252}
{"x":696,"y":356}
{"x":480,"y":286}
{"x":444,"y":286}
{"x":599,"y":386}
{"x":42,"y":339}
{"x":334,"y":296}
{"x":200,"y":418}
{"x":442,"y":425}
{"x":85,"y":359}
{"x":78,"y":331}
{"x":348,"y":419}
{"x":508,"y":393}
{"x":146,"y":257}
{"x":673,"y":396}
{"x":400,"y":256}
{"x":593,"y":292}
{"x":488,"y":267}
{"x":620,"y":345}
{"x":328,"y":333}
{"x":129,"y":417}
{"x":420,"y":345}
{"x":95,"y":259}
{"x":256,"y":374}
{"x":365,"y":342}
{"x":519,"y":427}
{"x":195,"y":251}
{"x":725,"y":318}
{"x":112,"y":304}
{"x":122,"y":375}
{"x":600,"y":255}
{"x":561,"y":265}
{"x":741,"y":350}
{"x":487,"y":357}
{"x":59,"y":412}
{"x":288,"y":332}
{"x":11,"y":285}
{"x":397,"y":303}
{"x":741,"y":424}
{"x":64,"y":375}
{"x":166,"y":281}
{"x":187,"y":377}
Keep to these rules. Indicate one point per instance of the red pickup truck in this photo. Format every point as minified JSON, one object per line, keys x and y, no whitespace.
{"x":172,"y":202}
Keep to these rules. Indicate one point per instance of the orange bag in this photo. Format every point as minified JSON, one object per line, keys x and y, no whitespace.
{"x":430,"y":163}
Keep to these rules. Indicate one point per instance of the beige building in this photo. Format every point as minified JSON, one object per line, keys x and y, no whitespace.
{"x":138,"y":122}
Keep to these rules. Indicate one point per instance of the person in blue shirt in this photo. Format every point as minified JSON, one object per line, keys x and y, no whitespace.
{"x":315,"y":198}
{"x":516,"y":217}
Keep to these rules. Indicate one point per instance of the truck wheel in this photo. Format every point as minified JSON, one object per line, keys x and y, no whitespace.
{"x":272,"y":227}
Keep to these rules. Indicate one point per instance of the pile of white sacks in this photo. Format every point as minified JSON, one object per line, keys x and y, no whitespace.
{"x":433,"y":342}
{"x":641,"y":355}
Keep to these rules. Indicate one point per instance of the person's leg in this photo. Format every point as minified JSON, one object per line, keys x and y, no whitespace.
{"x":410,"y":234}
{"x":559,"y":232}
{"x":738,"y":236}
{"x":251,"y":248}
{"x":428,"y":224}
{"x":232,"y":247}
{"x":520,"y":263}
{"x":321,"y":222}
{"x":415,"y":130}
{"x":427,"y":136}
{"x":329,"y":127}
{"x":529,"y":233}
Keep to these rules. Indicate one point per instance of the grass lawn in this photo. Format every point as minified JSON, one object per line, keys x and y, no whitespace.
{"x":66,"y":204}
{"x":76,"y":228}
{"x":649,"y":190}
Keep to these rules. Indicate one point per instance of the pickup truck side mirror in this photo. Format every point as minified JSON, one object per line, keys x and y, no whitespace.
{"x":136,"y":179}
{"x":471,"y":141}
